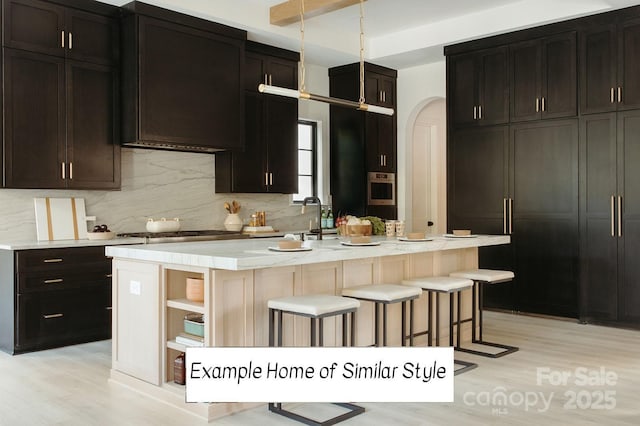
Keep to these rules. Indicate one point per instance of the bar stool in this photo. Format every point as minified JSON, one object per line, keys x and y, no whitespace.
{"x":315,"y":307}
{"x":480,"y":277}
{"x":385,"y":294}
{"x":451,"y":286}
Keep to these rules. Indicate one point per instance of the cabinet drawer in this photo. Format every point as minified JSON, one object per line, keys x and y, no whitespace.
{"x":59,"y":318}
{"x":64,"y":258}
{"x":61,"y":279}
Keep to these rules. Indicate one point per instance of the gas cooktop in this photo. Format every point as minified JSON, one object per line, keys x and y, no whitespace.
{"x":182,"y":236}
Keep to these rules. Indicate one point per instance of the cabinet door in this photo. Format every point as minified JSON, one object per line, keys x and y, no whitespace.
{"x":254,"y":72}
{"x":34,"y":25}
{"x":629,"y":63}
{"x":598,"y":240}
{"x":388,"y":87}
{"x":629,"y":191}
{"x":190,"y":86}
{"x":282,"y":136}
{"x":559,"y":77}
{"x":34,"y":149}
{"x":92,"y":38}
{"x":493,"y":87}
{"x":462,"y":88}
{"x":544,"y":189}
{"x":283,"y":73}
{"x":525,"y":72}
{"x":598,"y":61}
{"x":93,"y":147}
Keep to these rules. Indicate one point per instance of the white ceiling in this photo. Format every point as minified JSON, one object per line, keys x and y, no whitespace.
{"x":398,"y":33}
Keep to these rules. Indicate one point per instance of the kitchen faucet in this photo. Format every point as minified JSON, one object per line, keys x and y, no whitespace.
{"x":314,"y":200}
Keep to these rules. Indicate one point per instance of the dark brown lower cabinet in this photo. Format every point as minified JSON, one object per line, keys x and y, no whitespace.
{"x":610,"y":218}
{"x":54,"y":297}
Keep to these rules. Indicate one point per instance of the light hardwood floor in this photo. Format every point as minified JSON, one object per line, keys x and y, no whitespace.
{"x":69,"y":386}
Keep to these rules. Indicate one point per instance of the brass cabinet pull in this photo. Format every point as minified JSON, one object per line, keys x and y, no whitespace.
{"x":266,"y":179}
{"x":64,"y":170}
{"x":52,"y":260}
{"x":619,"y":215}
{"x":109,"y":275}
{"x":62,"y":39}
{"x":504,"y":216}
{"x":613,"y":95}
{"x":109,"y":308}
{"x":475,"y":112}
{"x":271,"y":179}
{"x":613,"y":214}
{"x":270,"y":79}
{"x":479,"y":112}
{"x":543,"y":105}
{"x":70,"y":41}
{"x":537,"y":104}
{"x":71,"y":170}
{"x":619,"y":94}
{"x":54,"y":281}
{"x":51,"y":316}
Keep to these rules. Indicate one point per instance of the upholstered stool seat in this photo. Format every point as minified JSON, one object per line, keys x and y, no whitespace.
{"x":480,"y":277}
{"x":316,"y":307}
{"x":452,"y":286}
{"x":385,"y":294}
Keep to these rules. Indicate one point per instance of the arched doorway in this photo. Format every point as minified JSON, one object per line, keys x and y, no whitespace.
{"x":428,"y":178}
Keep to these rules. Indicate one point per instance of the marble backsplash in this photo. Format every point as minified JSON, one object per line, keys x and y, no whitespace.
{"x":154,"y":184}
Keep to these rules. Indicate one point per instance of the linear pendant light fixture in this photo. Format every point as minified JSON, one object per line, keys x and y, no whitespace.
{"x":303,"y":94}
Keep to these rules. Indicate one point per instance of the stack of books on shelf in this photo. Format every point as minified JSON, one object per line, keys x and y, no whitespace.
{"x":189,"y":339}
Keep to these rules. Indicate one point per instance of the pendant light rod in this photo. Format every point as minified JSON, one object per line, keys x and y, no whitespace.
{"x":296,"y":94}
{"x":302,"y":93}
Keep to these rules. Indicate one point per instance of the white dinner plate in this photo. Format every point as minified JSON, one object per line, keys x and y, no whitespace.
{"x":414,"y":239}
{"x":291,"y":249}
{"x":347,"y":243}
{"x":460,"y":236}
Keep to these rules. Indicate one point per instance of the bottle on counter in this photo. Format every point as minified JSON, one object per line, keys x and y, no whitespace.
{"x":323,"y":219}
{"x":330,"y":219}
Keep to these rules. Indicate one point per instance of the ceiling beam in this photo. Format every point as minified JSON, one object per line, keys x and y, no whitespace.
{"x":289,"y":12}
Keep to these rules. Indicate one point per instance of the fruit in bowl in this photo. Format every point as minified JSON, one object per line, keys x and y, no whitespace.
{"x":101,"y":232}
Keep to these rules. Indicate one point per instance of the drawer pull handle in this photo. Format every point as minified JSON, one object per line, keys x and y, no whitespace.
{"x":109,"y":275}
{"x":55,"y":281}
{"x":52,"y":260}
{"x":108,"y":308}
{"x":51,"y":316}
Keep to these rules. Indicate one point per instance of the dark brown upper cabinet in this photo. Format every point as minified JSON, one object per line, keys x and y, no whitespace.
{"x":52,"y":29}
{"x":182,"y":81}
{"x":544,"y":78}
{"x":610,"y":58}
{"x":269,"y":162}
{"x":479,"y":87}
{"x":380,"y":89}
{"x":54,"y":72}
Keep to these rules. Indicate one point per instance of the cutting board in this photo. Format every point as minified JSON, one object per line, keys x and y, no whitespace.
{"x":60,"y":219}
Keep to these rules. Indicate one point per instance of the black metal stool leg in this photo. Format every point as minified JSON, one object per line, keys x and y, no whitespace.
{"x":384,"y":324}
{"x":353,"y":329}
{"x":459,"y":316}
{"x":344,"y":329}
{"x":280,"y":328}
{"x":411,"y":322}
{"x":313,"y":332}
{"x":272,"y":318}
{"x":450,"y":319}
{"x":321,"y":332}
{"x":376,"y":326}
{"x":403,"y":325}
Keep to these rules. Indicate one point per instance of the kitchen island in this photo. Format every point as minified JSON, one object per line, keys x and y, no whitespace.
{"x":240,"y":276}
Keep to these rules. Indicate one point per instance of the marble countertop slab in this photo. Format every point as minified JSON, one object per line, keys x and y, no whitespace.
{"x":31,"y":244}
{"x":254,"y":253}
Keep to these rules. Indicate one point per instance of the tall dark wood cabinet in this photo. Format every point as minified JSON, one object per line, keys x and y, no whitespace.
{"x":480,"y":87}
{"x":610,"y":58}
{"x":565,"y":189}
{"x":269,"y":162}
{"x":361,"y":142}
{"x":65,"y":71}
{"x":610,"y":214}
{"x":182,"y":81}
{"x":544,"y":79}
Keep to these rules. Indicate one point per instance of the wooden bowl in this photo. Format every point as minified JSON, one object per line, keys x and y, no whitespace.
{"x":461,"y":232}
{"x":101,"y":235}
{"x":359,"y":230}
{"x":415,"y":235}
{"x":363,"y":239}
{"x":289,"y":244}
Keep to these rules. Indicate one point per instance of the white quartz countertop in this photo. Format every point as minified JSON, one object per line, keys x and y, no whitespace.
{"x":255,"y":253}
{"x":31,"y":244}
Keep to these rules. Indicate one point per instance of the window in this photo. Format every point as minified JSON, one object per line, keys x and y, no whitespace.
{"x":307,"y":160}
